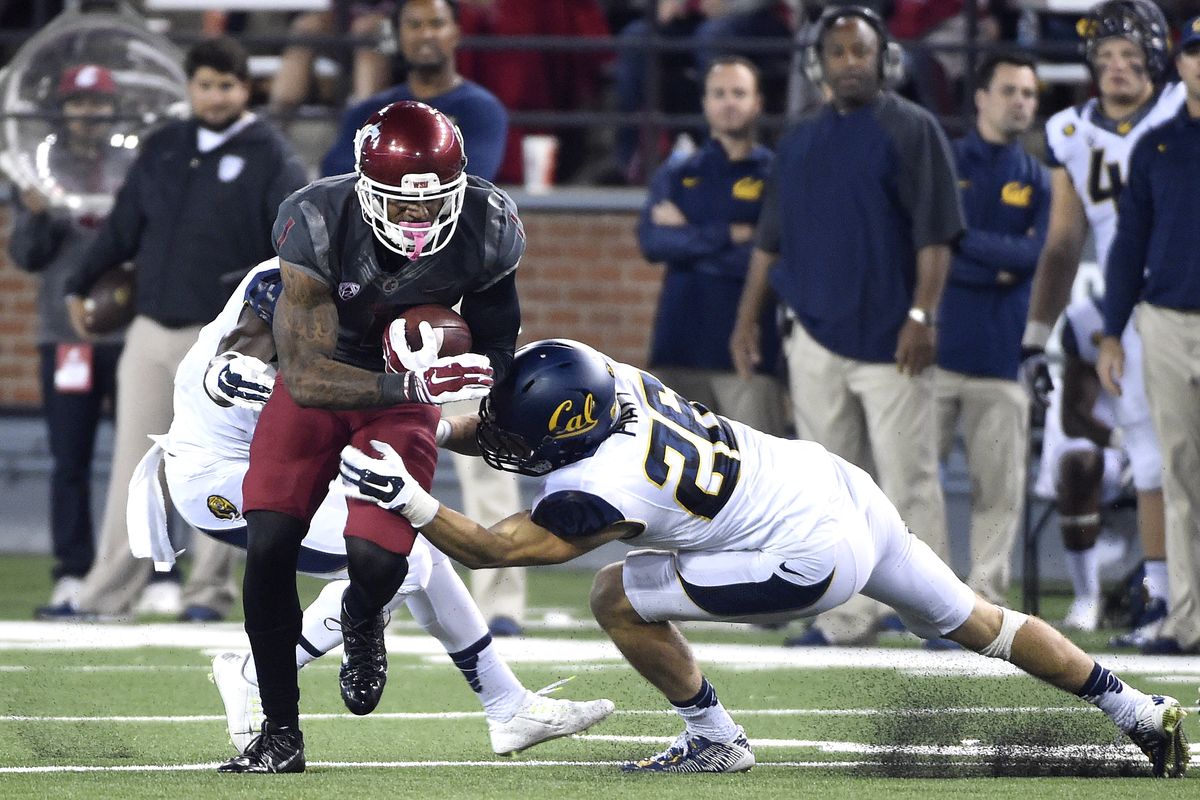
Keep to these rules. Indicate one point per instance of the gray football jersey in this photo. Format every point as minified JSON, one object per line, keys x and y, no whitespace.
{"x":321,"y":231}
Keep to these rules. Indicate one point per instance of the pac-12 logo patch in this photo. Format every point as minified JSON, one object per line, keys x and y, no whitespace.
{"x":222,"y":508}
{"x":348,"y":289}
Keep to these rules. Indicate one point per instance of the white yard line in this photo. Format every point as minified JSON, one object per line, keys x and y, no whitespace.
{"x":59,"y":636}
{"x":447,"y":715}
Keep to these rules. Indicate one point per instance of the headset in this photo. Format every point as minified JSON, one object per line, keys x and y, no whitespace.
{"x":891,"y":55}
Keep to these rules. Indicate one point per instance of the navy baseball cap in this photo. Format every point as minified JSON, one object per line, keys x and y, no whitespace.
{"x":1191,"y":33}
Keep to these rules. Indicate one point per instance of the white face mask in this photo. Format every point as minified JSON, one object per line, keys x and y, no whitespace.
{"x":412,"y":239}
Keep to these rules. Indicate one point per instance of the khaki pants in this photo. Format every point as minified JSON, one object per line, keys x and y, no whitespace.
{"x":994,"y":415}
{"x":145,"y":384}
{"x":489,"y":496}
{"x":884,"y":422}
{"x":1171,"y":366}
{"x":758,"y":402}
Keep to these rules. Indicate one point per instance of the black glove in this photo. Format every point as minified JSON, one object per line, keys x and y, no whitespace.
{"x":1034,"y":375}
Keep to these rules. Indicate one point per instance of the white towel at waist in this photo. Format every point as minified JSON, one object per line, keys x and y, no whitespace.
{"x":146,"y":512}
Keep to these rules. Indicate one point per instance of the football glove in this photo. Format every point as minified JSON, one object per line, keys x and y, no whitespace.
{"x":1034,"y":375}
{"x":233,"y":379}
{"x":386,"y":482}
{"x":399,"y":357}
{"x":450,"y":378}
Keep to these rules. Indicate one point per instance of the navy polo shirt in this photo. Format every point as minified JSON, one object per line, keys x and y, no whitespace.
{"x":851,"y":199}
{"x":476,"y":111}
{"x":1006,"y":201}
{"x":1155,"y":254}
{"x":705,"y":269}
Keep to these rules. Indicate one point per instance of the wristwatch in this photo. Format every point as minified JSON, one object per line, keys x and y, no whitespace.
{"x":921,"y":315}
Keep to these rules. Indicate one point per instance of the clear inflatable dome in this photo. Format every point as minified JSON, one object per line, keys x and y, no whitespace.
{"x":77,"y":100}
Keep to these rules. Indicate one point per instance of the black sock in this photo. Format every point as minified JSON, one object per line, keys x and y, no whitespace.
{"x":273,"y":614}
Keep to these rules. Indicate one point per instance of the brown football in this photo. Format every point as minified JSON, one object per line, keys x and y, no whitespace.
{"x":451,"y":330}
{"x":108,"y":307}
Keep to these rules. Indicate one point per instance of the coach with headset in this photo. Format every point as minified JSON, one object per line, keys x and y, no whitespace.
{"x":859,"y":215}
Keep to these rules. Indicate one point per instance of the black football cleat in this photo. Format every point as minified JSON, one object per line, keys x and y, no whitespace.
{"x":276,"y":749}
{"x":364,"y":663}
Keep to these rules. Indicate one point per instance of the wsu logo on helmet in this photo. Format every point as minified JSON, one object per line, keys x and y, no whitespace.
{"x":372,"y":132}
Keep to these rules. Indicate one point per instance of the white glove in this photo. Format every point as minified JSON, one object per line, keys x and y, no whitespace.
{"x":386,"y":482}
{"x":233,"y":379}
{"x":398,"y":357}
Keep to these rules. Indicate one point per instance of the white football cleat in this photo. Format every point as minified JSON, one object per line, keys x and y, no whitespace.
{"x":1159,"y":733}
{"x":243,"y":706}
{"x":541,"y":718}
{"x":692,"y":752}
{"x":160,"y":597}
{"x":1083,"y":615}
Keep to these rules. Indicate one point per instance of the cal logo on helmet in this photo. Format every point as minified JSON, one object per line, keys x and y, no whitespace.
{"x":566,"y":421}
{"x":222,"y":508}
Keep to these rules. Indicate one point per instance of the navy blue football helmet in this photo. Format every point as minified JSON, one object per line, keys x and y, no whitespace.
{"x":555,"y":407}
{"x":1139,"y":21}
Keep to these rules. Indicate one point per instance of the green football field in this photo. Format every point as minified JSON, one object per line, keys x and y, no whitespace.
{"x":95,"y":711}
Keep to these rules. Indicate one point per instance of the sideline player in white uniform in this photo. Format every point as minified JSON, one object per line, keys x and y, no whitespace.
{"x":1090,"y":438}
{"x":744,"y":527}
{"x":1088,"y":146}
{"x":207,"y":451}
{"x":1127,"y":47}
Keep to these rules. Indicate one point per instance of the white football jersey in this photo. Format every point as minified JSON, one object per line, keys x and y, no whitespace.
{"x":200,"y":425}
{"x":1095,"y":152}
{"x":699,"y":481}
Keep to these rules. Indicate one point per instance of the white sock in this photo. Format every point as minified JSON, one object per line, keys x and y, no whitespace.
{"x":317,"y":634}
{"x":1156,"y":579}
{"x":1084,"y":570}
{"x":1114,"y":697}
{"x":705,"y":716}
{"x":446,"y":611}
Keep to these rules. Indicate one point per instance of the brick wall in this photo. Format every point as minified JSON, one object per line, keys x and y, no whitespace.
{"x":582,"y":278}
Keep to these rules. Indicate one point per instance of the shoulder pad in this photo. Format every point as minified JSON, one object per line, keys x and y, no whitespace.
{"x":573,"y":514}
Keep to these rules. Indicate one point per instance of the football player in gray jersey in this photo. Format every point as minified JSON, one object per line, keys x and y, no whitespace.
{"x":744,"y":527}
{"x":410,"y":227}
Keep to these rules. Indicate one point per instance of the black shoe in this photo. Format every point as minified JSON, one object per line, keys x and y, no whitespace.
{"x":276,"y":749}
{"x":364,"y":663}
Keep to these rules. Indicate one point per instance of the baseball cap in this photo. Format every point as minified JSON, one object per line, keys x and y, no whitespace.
{"x":86,"y":79}
{"x":1191,"y":33}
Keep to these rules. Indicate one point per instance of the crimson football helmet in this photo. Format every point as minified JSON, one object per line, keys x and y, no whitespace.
{"x":410,"y":153}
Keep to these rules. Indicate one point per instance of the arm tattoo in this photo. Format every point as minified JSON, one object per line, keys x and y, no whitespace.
{"x":306,"y":328}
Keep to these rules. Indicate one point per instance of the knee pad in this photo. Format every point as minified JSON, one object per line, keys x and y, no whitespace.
{"x":1001,"y":647}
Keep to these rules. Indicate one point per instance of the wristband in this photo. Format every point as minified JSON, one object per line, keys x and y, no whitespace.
{"x":442,"y":434}
{"x":1037,"y":335}
{"x":421,"y":509}
{"x":1116,"y":438}
{"x":394,"y":388}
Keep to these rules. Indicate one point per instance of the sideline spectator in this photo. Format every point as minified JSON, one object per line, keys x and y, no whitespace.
{"x":196,"y":209}
{"x":1006,"y":200}
{"x":77,"y":377}
{"x":1155,"y":264}
{"x":699,"y":218}
{"x":372,"y":70}
{"x":862,"y":337}
{"x":428,"y":33}
{"x":539,"y":80}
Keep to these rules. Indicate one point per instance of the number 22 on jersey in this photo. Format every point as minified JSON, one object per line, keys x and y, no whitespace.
{"x":691,"y":449}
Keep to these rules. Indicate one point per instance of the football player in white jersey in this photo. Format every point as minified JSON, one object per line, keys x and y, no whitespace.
{"x":206,"y":452}
{"x":744,"y":527}
{"x":1091,"y":438}
{"x":1127,"y":49}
